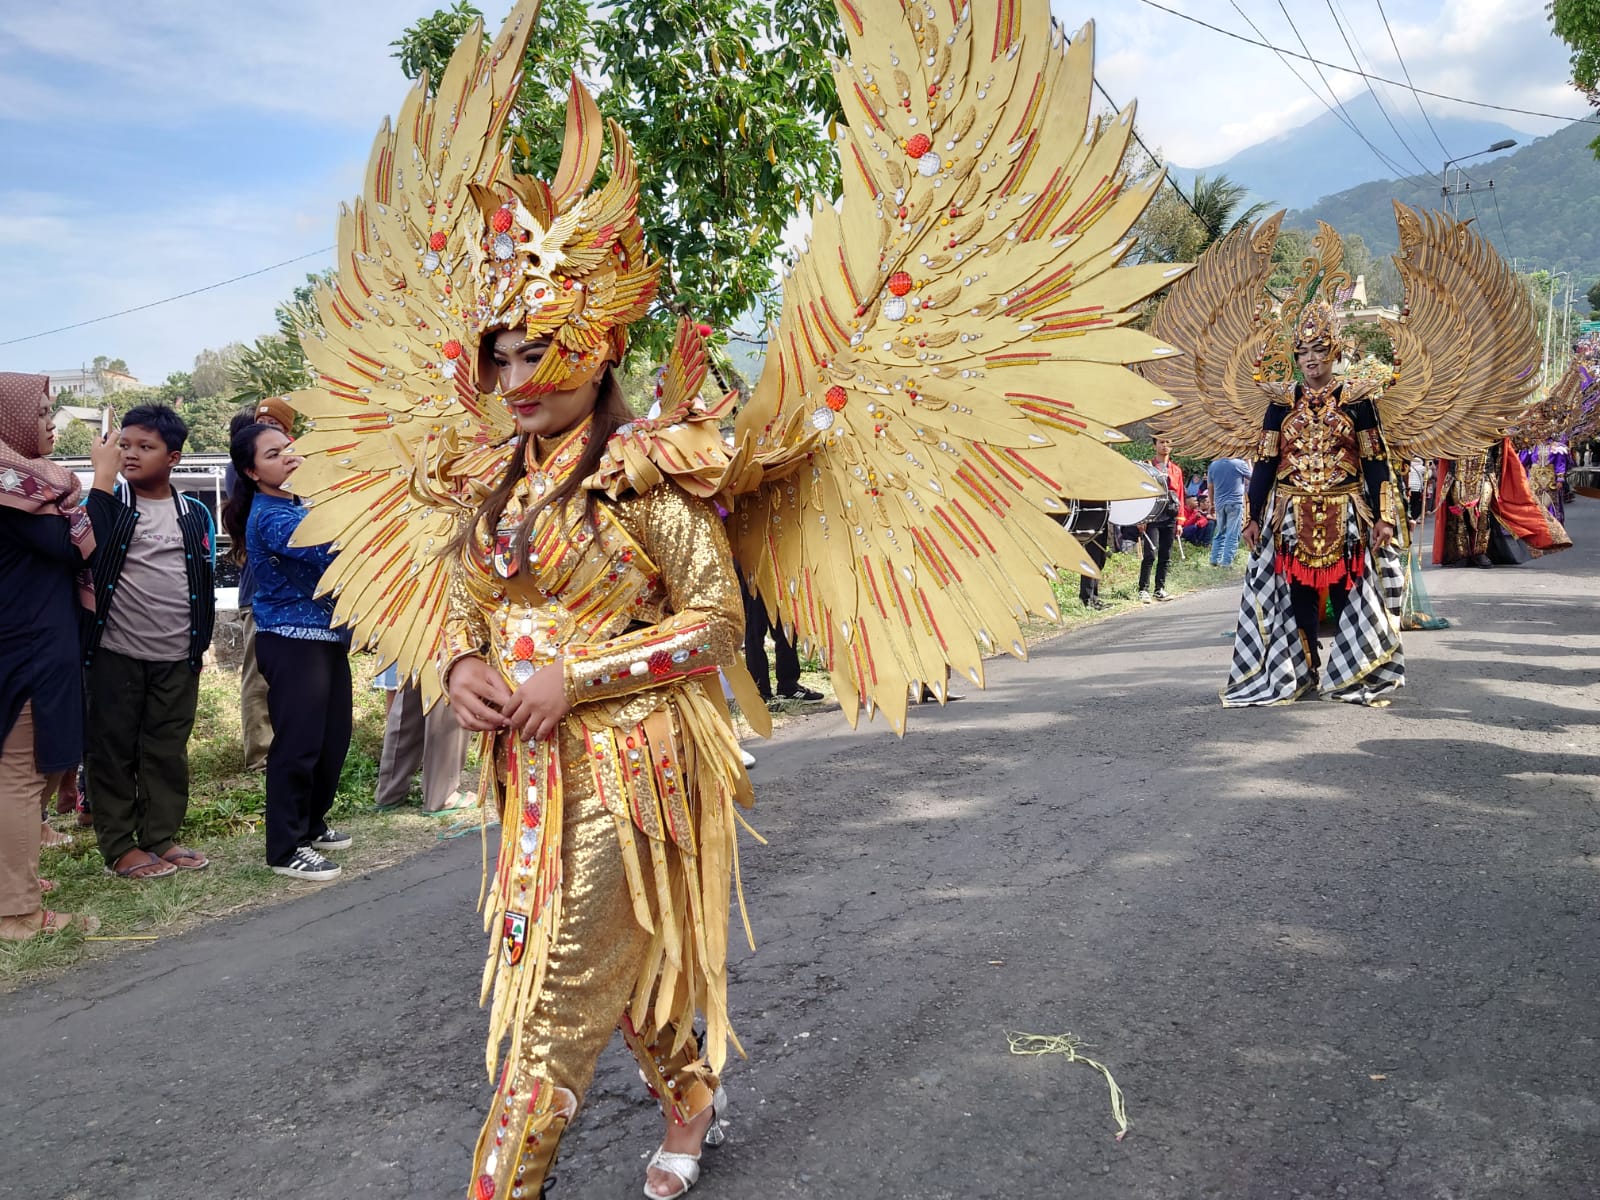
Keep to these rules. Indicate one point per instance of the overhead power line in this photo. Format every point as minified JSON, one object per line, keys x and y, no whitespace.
{"x":210,"y":287}
{"x":1373,"y":92}
{"x":1415,"y":95}
{"x":1239,"y":37}
{"x":1505,"y":238}
{"x":1151,"y":154}
{"x":1342,"y":114}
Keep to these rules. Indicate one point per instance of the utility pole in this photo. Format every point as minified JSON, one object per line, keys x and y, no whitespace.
{"x":1450,"y":192}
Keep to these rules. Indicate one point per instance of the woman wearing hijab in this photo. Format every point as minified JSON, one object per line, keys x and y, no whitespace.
{"x":45,"y":547}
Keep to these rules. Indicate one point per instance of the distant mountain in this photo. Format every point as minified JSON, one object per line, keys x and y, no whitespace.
{"x":1544,"y":210}
{"x":1297,"y":168}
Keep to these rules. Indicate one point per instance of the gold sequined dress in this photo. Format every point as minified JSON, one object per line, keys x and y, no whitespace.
{"x":609,"y":897}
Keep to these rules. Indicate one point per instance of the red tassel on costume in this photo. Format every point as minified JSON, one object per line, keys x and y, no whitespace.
{"x":1336,"y":573}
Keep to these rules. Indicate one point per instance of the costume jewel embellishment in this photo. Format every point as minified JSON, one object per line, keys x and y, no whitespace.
{"x":430,"y":261}
{"x":504,"y":248}
{"x":929,"y":165}
{"x":918,"y":144}
{"x":894,"y":308}
{"x":522,"y":671}
{"x":900,"y":283}
{"x":10,"y":480}
{"x":680,"y":656}
{"x":821,"y":421}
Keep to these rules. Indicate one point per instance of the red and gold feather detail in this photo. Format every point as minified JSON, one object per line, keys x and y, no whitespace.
{"x":953,"y":358}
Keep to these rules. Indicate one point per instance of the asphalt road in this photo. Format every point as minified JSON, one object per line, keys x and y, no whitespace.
{"x":1327,"y":951}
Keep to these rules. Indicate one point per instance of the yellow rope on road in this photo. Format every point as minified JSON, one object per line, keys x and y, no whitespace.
{"x":1066,"y":1044}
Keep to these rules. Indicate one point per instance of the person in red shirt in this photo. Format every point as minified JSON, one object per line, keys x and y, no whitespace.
{"x":1157,"y":535}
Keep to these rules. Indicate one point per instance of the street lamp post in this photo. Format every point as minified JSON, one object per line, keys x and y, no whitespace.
{"x":1549,"y":323}
{"x":1450,"y":193}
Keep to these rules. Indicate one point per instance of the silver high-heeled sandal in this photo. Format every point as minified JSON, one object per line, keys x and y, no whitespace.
{"x":686,"y":1167}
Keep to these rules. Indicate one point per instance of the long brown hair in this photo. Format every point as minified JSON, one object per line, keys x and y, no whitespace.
{"x":236,"y":512}
{"x":611,"y":412}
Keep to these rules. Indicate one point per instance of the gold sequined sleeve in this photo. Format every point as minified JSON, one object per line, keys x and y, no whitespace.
{"x":466,"y":631}
{"x":684,"y":537}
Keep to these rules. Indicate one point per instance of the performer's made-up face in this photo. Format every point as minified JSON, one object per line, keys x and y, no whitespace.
{"x":546,"y":415}
{"x":1316,"y":363}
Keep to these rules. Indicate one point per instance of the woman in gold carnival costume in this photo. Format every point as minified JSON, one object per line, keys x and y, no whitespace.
{"x":952,"y":361}
{"x":1323,"y":506}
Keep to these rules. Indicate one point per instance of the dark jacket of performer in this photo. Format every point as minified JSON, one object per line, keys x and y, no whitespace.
{"x":1325,"y":455}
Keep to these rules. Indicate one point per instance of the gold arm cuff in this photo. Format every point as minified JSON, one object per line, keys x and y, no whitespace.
{"x":638,"y":661}
{"x":1369,"y":444}
{"x":458,"y":641}
{"x":1389,"y":504}
{"x":1270,"y":443}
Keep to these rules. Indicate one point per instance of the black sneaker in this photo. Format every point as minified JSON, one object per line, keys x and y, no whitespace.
{"x":800,"y":692}
{"x":307,"y":864}
{"x":331,"y":839}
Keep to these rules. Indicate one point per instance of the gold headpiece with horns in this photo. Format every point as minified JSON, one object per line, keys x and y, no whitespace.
{"x":1308,"y":317}
{"x":564,"y":263}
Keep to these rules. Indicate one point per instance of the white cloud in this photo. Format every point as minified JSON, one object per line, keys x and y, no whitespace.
{"x":1203,"y":96}
{"x":77,"y":268}
{"x":171,"y":59}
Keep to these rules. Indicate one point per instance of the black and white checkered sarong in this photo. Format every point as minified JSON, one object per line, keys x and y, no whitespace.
{"x":1365,"y":662}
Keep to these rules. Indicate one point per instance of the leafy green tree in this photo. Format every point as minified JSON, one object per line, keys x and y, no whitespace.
{"x":1175,"y":230}
{"x":1577,"y":23}
{"x":727,"y":103}
{"x":1291,"y":249}
{"x":211,"y":368}
{"x":74,"y":441}
{"x":1370,"y":338}
{"x":1216,"y":203}
{"x":276,"y":363}
{"x":1594,"y":297}
{"x":207,"y":418}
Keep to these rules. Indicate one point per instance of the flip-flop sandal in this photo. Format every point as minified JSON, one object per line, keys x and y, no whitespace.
{"x":47,"y":885}
{"x":150,"y":867}
{"x":185,"y":859}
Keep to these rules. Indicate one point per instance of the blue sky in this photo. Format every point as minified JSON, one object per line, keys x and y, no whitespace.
{"x":155,"y":146}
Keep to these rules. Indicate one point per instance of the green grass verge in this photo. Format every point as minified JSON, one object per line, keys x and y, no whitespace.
{"x":224,"y":823}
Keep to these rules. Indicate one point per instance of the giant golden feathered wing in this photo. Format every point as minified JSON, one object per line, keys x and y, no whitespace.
{"x":1467,"y":348}
{"x":399,"y":445}
{"x":1214,"y":313}
{"x":952,"y":355}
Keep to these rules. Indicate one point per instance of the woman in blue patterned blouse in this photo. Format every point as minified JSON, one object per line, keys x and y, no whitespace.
{"x":304,"y":659}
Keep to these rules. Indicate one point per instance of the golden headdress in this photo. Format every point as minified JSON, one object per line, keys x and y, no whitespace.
{"x":1308,"y":317}
{"x":566,"y":264}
